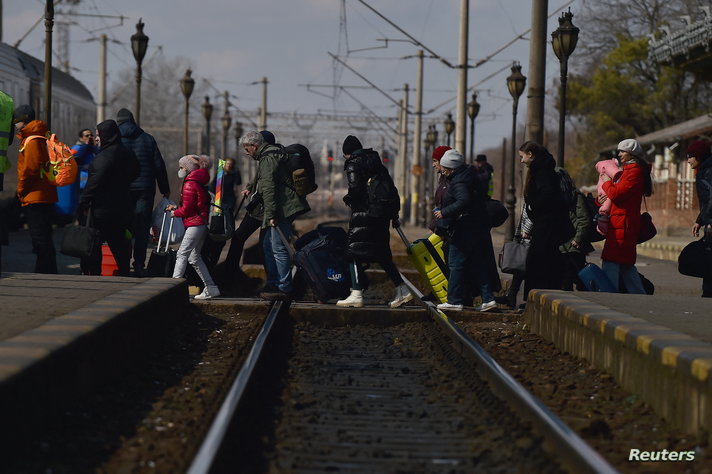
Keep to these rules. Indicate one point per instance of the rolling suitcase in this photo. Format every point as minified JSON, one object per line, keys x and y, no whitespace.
{"x":594,"y":279}
{"x":161,"y":263}
{"x":428,"y":258}
{"x":321,"y":257}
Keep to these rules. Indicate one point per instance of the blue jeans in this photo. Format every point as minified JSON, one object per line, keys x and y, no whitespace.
{"x":466,"y":264}
{"x":631,"y":278}
{"x":278,"y":265}
{"x":141,"y":225}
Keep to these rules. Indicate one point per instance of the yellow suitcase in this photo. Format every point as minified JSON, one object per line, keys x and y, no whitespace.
{"x":427,"y":257}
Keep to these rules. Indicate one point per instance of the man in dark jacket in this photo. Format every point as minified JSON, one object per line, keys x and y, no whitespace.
{"x":143,"y":188}
{"x":106,"y":195}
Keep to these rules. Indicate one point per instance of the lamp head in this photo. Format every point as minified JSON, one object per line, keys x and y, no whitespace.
{"x":139,"y":42}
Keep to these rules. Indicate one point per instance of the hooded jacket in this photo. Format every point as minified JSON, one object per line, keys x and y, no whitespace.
{"x":144,"y":146}
{"x":273,"y":183}
{"x":704,"y":191}
{"x":31,"y":187}
{"x":194,"y":199}
{"x":110,"y":173}
{"x":368,"y":237}
{"x":624,"y":226}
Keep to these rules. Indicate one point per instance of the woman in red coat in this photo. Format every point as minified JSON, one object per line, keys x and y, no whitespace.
{"x":619,"y":253}
{"x":194,"y":208}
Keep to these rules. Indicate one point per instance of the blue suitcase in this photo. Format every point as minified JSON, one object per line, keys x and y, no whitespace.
{"x":594,"y":279}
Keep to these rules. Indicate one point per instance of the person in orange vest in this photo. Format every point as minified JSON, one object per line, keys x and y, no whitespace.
{"x":36,"y":194}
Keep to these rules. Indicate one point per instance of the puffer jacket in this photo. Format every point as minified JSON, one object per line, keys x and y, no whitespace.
{"x":464,"y":201}
{"x":31,"y":187}
{"x":110,"y":173}
{"x":624,"y":226}
{"x":368,"y":237}
{"x":704,"y":192}
{"x":194,"y":199}
{"x":153,"y":168}
{"x":273,"y":183}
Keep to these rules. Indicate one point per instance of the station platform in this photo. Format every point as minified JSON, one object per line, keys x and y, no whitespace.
{"x":659,"y":348}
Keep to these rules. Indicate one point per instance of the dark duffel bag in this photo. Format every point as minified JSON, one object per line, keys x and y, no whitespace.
{"x":696,"y":259}
{"x":80,"y":240}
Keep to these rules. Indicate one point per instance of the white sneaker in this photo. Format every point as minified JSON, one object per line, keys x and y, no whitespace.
{"x":403,"y":295}
{"x":486,"y":306}
{"x":355,"y":300}
{"x":208,"y":292}
{"x":451,"y":307}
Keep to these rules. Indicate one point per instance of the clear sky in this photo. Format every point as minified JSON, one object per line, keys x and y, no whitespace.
{"x":234,"y":43}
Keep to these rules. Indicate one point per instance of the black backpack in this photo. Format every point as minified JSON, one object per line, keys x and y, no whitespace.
{"x":592,"y":208}
{"x":383,"y":198}
{"x":301,"y":168}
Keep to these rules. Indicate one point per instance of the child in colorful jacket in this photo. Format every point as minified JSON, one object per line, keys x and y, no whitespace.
{"x":610,"y":169}
{"x":194,"y":209}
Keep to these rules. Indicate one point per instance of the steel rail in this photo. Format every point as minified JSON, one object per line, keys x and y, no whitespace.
{"x":577,"y":455}
{"x":203,"y":460}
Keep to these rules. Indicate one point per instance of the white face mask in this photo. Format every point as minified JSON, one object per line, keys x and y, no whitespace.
{"x":182,"y":173}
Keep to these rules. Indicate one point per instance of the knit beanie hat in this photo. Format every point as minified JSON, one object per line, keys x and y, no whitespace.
{"x":190,"y":162}
{"x":633,"y":147}
{"x":351,"y":144}
{"x":440,"y":151}
{"x":268,"y":137}
{"x":124,"y":115}
{"x":700,"y":149}
{"x":23,"y":113}
{"x":452,"y":159}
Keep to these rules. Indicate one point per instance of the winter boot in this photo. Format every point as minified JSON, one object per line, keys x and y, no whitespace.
{"x":403,"y":295}
{"x":509,"y":299}
{"x":355,"y":300}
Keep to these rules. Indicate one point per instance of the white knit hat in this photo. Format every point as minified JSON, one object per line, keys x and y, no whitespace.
{"x":452,"y":159}
{"x":632,"y":146}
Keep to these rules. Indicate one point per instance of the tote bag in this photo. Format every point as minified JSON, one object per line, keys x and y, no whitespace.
{"x":696,"y":259}
{"x":513,"y":258}
{"x":80,"y":240}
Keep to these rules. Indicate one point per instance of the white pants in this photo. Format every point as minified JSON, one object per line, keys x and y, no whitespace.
{"x":189,"y":252}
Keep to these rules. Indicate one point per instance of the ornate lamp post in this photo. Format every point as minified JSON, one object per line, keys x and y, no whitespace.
{"x":186,"y":86}
{"x":226,"y":122}
{"x":564,"y":41}
{"x":449,"y":126}
{"x":139,"y":43}
{"x":473,"y":108}
{"x":207,"y":109}
{"x":515,"y":83}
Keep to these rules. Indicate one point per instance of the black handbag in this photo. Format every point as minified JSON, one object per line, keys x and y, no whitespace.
{"x":80,"y":240}
{"x":696,"y":259}
{"x":496,"y":212}
{"x":513,"y":258}
{"x":647,"y":229}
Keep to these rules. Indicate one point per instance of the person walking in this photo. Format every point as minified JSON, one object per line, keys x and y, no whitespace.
{"x":576,"y":249}
{"x":368,"y":234}
{"x":698,"y":157}
{"x":619,"y":250}
{"x":212,"y":249}
{"x":464,"y":206}
{"x":143,"y":188}
{"x":548,"y":210}
{"x":105,"y":200}
{"x":36,"y":194}
{"x":194,"y":209}
{"x":440,"y":191}
{"x":485,"y":174}
{"x":280,"y":206}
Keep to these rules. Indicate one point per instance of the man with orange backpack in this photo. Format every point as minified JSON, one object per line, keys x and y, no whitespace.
{"x":35,"y":192}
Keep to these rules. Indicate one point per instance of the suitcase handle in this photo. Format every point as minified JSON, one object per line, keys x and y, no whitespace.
{"x":283,"y":238}
{"x":403,"y":237}
{"x":170,"y":231}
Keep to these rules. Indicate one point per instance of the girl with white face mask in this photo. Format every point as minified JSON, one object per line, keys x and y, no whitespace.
{"x":194,"y":209}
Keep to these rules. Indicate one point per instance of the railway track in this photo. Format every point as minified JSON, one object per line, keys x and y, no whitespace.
{"x":381,"y":391}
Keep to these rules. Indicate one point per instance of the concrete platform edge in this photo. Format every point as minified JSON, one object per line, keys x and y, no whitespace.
{"x":670,"y":371}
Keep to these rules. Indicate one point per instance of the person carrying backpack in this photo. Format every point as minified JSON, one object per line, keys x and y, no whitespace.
{"x":374,"y":204}
{"x":36,"y":194}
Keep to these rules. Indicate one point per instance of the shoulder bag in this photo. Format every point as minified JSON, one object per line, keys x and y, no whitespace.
{"x":80,"y":240}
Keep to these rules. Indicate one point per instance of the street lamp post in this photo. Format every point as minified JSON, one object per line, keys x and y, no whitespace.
{"x":515,"y":83}
{"x":449,"y":126}
{"x":139,"y":43}
{"x":207,"y":109}
{"x":186,"y":86}
{"x":226,"y":122}
{"x":564,"y":41}
{"x":473,"y":108}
